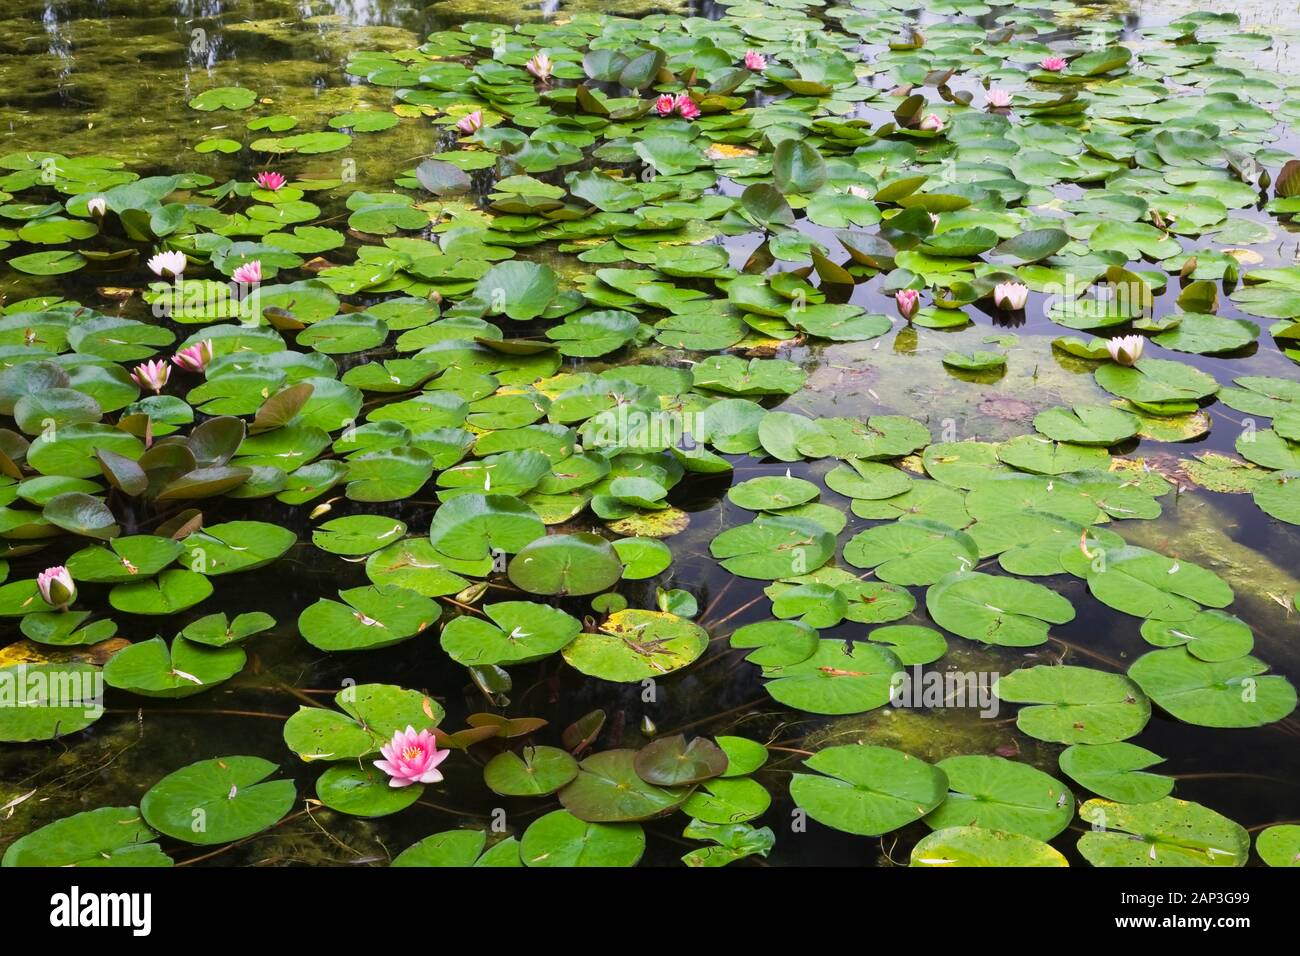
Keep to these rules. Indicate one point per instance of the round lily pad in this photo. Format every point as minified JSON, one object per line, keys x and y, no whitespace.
{"x":566,"y":564}
{"x":912,"y":552}
{"x":675,"y":762}
{"x":836,"y":679}
{"x":368,"y":617}
{"x":534,"y":772}
{"x":108,"y":836}
{"x":609,"y":790}
{"x":218,"y":800}
{"x":357,"y":534}
{"x":996,"y":610}
{"x":982,"y":847}
{"x":1115,"y":771}
{"x":152,"y":669}
{"x":47,"y":701}
{"x":363,"y":791}
{"x":867,"y":790}
{"x":1075,"y":705}
{"x":1166,"y":832}
{"x":633,"y":645}
{"x":1210,"y":635}
{"x":171,"y":591}
{"x":517,"y":632}
{"x":1279,"y":845}
{"x":561,"y":839}
{"x":771,"y":493}
{"x":1004,"y":795}
{"x":773,"y":546}
{"x":1229,"y":693}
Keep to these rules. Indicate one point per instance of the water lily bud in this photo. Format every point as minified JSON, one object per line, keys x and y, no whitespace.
{"x":648,"y":728}
{"x":908,"y":300}
{"x":57,"y":588}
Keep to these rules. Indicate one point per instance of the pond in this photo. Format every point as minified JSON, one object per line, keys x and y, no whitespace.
{"x":755,"y":433}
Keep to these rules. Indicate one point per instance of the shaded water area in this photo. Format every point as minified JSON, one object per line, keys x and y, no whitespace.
{"x":113,"y":78}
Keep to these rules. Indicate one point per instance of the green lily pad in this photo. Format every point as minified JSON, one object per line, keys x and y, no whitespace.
{"x":1003,"y":795}
{"x":561,"y":839}
{"x":867,"y":790}
{"x":372,"y":617}
{"x":608,"y":790}
{"x":836,"y":679}
{"x":372,"y":714}
{"x":996,"y":610}
{"x":152,"y":669}
{"x":535,"y":772}
{"x":108,"y":836}
{"x":1075,"y":705}
{"x":49,"y":700}
{"x":1279,"y":845}
{"x":1116,"y":771}
{"x":518,"y":632}
{"x":218,"y":800}
{"x":633,"y":645}
{"x":363,"y":791}
{"x":566,"y":564}
{"x":1227,"y":693}
{"x":979,"y":846}
{"x":172,"y":591}
{"x":912,"y":552}
{"x":1166,"y":832}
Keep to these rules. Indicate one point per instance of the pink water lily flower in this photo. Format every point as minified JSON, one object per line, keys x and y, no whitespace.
{"x":540,"y":66}
{"x":686,"y":107}
{"x":152,"y":375}
{"x":57,"y":588}
{"x":664,"y":104}
{"x":1126,"y":349}
{"x":860,"y":191}
{"x":196,"y":358}
{"x":471,"y":123}
{"x":1010,"y":295}
{"x":270,"y":180}
{"x":168,"y":265}
{"x":1052,"y":64}
{"x":97,"y":207}
{"x":411,"y":758}
{"x":932,"y":123}
{"x":998,"y":98}
{"x":249,"y":273}
{"x":755,"y":60}
{"x":909,"y":300}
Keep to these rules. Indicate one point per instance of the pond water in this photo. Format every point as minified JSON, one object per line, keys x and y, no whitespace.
{"x":102,"y":78}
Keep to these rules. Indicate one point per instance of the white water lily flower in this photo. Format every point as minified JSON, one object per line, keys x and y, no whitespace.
{"x":1126,"y":349}
{"x":168,"y":265}
{"x":1010,"y":295}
